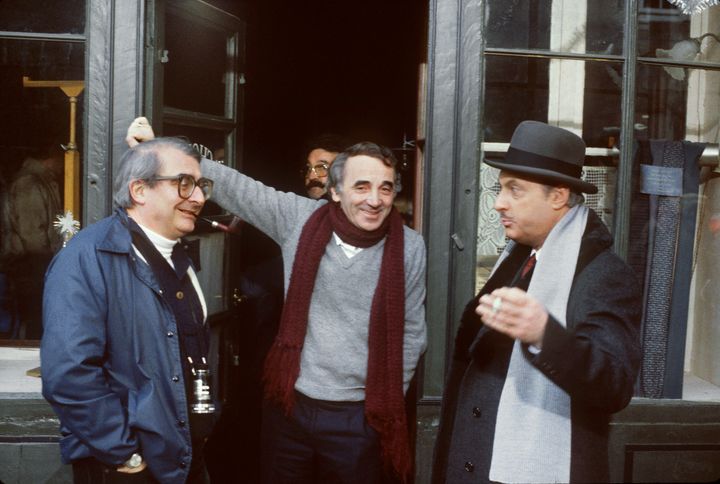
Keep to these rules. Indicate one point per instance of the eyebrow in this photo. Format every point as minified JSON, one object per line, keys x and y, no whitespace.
{"x":386,"y":183}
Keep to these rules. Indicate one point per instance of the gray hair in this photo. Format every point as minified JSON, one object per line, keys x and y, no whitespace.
{"x":142,"y":162}
{"x":575,"y":198}
{"x":366,"y":148}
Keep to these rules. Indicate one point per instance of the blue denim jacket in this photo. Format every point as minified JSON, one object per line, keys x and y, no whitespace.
{"x":110,"y":355}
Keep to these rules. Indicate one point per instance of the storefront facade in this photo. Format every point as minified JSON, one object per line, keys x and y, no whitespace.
{"x":617,"y":75}
{"x":625,"y":76}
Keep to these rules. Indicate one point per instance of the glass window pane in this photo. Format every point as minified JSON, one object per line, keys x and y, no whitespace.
{"x":687,"y":109}
{"x":583,"y":26}
{"x":582,"y":96}
{"x":66,"y":17}
{"x":209,"y":142}
{"x":196,"y":67}
{"x":665,"y":32}
{"x":34,"y":123}
{"x":661,"y":103}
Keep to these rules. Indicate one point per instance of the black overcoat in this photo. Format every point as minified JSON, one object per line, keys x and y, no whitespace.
{"x":595,"y":360}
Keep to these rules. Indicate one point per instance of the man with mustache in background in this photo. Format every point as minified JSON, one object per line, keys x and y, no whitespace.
{"x":320,"y":152}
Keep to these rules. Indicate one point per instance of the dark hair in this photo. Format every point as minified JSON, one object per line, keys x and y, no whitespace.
{"x":142,"y":162}
{"x":366,"y":148}
{"x":332,"y":142}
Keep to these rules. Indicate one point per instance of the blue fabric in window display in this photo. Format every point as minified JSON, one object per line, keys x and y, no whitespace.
{"x":669,"y":249}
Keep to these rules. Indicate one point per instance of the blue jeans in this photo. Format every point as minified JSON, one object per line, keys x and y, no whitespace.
{"x":321,"y":442}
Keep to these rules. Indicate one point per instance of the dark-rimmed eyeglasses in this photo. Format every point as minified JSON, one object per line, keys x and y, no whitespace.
{"x":321,"y":169}
{"x":186,"y":184}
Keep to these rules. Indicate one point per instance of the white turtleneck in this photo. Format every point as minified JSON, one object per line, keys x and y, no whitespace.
{"x":165,"y":247}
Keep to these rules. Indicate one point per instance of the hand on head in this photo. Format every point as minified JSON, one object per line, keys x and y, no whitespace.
{"x":139,"y":131}
{"x":514,"y":312}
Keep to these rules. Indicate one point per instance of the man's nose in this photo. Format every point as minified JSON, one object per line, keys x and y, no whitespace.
{"x":197,"y":196}
{"x":373,"y":198}
{"x":500,"y":202}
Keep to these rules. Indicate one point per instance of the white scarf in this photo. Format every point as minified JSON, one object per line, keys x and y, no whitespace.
{"x":533,"y":428}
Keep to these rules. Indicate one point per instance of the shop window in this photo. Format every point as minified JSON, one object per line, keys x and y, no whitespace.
{"x":194,"y":80}
{"x":563,"y":63}
{"x":520,"y":88}
{"x":682,"y":103}
{"x":559,"y":26}
{"x":42,"y":60}
{"x":43,"y":17}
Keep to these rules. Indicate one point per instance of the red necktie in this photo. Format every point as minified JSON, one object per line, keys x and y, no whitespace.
{"x":528,"y":266}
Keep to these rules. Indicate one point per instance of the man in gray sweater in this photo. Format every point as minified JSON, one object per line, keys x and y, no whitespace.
{"x":353,"y":325}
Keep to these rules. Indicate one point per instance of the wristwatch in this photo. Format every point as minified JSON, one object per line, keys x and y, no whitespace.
{"x":134,"y":461}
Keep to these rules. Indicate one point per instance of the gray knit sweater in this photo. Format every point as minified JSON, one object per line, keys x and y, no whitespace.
{"x":333,"y":364}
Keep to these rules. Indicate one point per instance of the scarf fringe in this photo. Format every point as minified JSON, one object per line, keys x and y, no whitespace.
{"x":280,"y":373}
{"x":394,"y":440}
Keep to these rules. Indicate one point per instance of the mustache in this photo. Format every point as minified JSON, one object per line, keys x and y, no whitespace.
{"x":315,"y":183}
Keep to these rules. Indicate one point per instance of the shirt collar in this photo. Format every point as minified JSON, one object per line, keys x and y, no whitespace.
{"x":162,"y":244}
{"x":350,"y":250}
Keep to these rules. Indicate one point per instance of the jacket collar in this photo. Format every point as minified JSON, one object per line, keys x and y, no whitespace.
{"x":595,"y":240}
{"x":117,"y":239}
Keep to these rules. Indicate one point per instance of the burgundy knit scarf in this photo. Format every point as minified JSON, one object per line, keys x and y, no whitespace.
{"x":384,"y":400}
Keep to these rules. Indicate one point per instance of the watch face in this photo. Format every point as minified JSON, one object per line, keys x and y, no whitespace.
{"x":134,"y":461}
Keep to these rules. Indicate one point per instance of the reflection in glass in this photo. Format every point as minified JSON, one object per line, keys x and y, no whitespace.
{"x":583,"y":96}
{"x":210,"y":143}
{"x":661,"y":104}
{"x":660,"y":25}
{"x":196,"y":67}
{"x":676,"y":103}
{"x":33,"y":129}
{"x":582,"y":26}
{"x":41,"y":16}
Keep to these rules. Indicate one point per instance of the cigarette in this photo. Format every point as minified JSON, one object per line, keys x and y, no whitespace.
{"x":217,"y":225}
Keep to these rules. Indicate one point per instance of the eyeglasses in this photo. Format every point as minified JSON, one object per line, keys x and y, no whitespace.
{"x":186,"y":184}
{"x":321,"y":169}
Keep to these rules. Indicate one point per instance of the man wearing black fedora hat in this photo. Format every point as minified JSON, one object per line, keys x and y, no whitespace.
{"x":549,"y":348}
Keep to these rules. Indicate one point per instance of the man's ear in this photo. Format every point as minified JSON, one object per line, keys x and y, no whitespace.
{"x":334,"y":194}
{"x":137,"y":191}
{"x":560,"y":196}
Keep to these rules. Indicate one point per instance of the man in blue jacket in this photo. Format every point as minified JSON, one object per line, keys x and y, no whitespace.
{"x":125,"y":331}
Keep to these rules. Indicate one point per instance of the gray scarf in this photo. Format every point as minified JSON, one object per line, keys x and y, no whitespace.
{"x":533,"y":428}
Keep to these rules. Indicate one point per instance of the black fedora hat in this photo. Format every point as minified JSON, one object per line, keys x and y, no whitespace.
{"x":547,"y":153}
